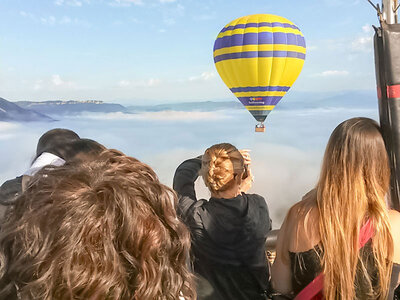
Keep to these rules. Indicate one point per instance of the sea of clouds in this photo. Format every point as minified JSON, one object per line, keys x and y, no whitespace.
{"x":286,"y":158}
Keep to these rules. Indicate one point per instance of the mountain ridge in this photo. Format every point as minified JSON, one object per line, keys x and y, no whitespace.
{"x":60,"y":107}
{"x":9,"y":111}
{"x":38,"y":110}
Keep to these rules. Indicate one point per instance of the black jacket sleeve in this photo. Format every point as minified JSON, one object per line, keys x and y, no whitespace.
{"x":10,"y":190}
{"x":185,"y":176}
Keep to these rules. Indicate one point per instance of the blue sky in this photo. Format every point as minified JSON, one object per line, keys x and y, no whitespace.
{"x":153,"y":51}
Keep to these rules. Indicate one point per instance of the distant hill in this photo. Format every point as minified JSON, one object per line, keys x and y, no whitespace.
{"x":10,"y":111}
{"x":291,"y":101}
{"x":32,"y":111}
{"x":188,"y":106}
{"x":59,"y":107}
{"x":343,"y":99}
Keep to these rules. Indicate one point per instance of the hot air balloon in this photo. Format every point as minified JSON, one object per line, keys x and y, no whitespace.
{"x":259,"y":57}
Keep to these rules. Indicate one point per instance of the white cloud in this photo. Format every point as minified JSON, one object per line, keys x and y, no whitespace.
{"x":180,"y":10}
{"x":5,"y":126}
{"x":53,"y":84}
{"x":151,"y":82}
{"x":38,"y":85}
{"x":362,"y":44}
{"x":206,"y":17}
{"x":139,"y":83}
{"x":203,"y":76}
{"x":75,"y":3}
{"x":27,"y":15}
{"x":167,"y":1}
{"x":124,"y":83}
{"x":7,"y":130}
{"x":57,"y":81}
{"x":332,"y":73}
{"x":367,"y":28}
{"x":172,"y":13}
{"x":126,"y":3}
{"x":51,"y":20}
{"x":65,"y":20}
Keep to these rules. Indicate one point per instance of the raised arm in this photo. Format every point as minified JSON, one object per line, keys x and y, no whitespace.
{"x":185,"y":176}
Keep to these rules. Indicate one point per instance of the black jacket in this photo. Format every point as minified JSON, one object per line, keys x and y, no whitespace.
{"x":228,"y":238}
{"x":10,"y":190}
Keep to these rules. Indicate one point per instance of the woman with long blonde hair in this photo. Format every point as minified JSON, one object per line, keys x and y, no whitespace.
{"x":322,"y":234}
{"x":229,"y":230}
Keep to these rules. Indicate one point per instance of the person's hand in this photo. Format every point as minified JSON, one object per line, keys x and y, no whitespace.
{"x":246,"y":156}
{"x":247,"y":182}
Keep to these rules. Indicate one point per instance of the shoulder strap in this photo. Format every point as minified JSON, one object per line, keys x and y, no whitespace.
{"x":314,"y":289}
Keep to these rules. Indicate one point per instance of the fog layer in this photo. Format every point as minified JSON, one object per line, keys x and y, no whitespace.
{"x":286,"y":158}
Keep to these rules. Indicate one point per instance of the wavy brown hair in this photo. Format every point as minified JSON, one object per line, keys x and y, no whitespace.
{"x":352,"y":187}
{"x":103,"y":229}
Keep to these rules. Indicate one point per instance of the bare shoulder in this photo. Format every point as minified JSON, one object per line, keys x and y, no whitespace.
{"x":302,"y":224}
{"x":394,"y":219}
{"x":306,"y":208}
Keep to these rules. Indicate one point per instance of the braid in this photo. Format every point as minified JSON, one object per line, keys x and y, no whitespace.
{"x":219,"y":165}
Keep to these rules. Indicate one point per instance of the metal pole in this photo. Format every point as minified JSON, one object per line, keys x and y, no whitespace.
{"x":390,"y":11}
{"x":387,"y":67}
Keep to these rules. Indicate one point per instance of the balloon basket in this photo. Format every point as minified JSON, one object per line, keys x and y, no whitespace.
{"x":260,"y":127}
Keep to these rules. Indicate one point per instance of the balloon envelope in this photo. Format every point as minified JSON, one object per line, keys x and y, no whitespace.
{"x":259,"y":57}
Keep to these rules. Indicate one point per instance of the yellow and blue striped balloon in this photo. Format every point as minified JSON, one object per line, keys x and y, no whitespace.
{"x":259,"y":57}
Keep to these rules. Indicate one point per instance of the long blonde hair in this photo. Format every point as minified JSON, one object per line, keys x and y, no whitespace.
{"x":352,"y":187}
{"x":221,"y":163}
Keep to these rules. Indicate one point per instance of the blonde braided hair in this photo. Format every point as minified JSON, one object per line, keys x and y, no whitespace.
{"x":220,"y":164}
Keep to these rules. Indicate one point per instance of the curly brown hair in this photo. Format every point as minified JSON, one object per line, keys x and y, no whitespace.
{"x":103,"y":229}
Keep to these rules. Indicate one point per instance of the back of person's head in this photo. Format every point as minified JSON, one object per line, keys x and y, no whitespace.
{"x":82,"y":149}
{"x":100,"y":229}
{"x":57,"y":154}
{"x":222,"y":167}
{"x":353,"y":183}
{"x":53,"y":141}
